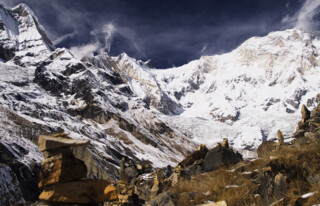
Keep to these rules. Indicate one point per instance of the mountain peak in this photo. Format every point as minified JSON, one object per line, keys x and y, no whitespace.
{"x":21,"y":33}
{"x":24,"y":10}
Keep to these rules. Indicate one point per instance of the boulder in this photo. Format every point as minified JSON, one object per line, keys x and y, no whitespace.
{"x":143,"y":185}
{"x":280,"y":138}
{"x":280,"y":186}
{"x":174,"y":179}
{"x":79,"y":192}
{"x":195,"y":156}
{"x":220,"y":157}
{"x":193,"y":170}
{"x":46,"y":143}
{"x":163,"y":199}
{"x":265,"y":190}
{"x":315,"y":112}
{"x":131,"y":172}
{"x":220,"y":203}
{"x":111,"y":193}
{"x":62,"y":167}
{"x":305,"y":113}
{"x":225,"y":142}
{"x":157,"y":185}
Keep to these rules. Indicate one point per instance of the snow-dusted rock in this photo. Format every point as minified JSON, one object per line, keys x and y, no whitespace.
{"x":127,"y":109}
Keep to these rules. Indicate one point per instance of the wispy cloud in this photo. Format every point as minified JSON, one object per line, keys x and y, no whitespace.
{"x":64,"y":37}
{"x":204,"y":48}
{"x":85,"y":50}
{"x":107,"y":32}
{"x":304,"y":17}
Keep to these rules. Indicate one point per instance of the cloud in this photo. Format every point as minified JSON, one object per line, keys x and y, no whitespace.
{"x":204,"y":48}
{"x":10,"y":3}
{"x":303,"y":18}
{"x":103,"y":39}
{"x":163,"y":32}
{"x":107,"y":32}
{"x":64,"y":37}
{"x":84,"y":50}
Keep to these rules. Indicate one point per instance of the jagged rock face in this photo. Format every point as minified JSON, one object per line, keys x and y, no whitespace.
{"x":144,"y":85}
{"x":18,"y":180}
{"x":45,"y":91}
{"x":10,"y":191}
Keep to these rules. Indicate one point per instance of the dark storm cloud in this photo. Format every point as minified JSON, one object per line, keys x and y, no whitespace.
{"x":168,"y":32}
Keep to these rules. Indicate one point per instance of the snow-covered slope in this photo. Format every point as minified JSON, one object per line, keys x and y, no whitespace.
{"x":245,"y":95}
{"x":45,"y":91}
{"x":21,"y":36}
{"x":128,"y":109}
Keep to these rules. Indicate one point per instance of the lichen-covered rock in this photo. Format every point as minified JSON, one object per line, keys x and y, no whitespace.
{"x":111,"y":193}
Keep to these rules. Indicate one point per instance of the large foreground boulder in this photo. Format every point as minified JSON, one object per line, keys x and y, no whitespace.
{"x":61,"y":167}
{"x":79,"y":192}
{"x":63,"y":177}
{"x":220,"y":157}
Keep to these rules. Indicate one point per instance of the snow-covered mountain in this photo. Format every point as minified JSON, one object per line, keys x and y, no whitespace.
{"x":245,"y":95}
{"x":127,"y":108}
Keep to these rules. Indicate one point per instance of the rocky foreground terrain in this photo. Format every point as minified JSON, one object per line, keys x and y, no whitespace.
{"x":285,"y":173}
{"x":145,"y":118}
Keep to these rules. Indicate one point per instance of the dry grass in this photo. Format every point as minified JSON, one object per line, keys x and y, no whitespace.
{"x":230,"y":186}
{"x":299,"y":164}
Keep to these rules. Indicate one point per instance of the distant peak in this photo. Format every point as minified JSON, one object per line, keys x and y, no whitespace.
{"x":125,"y":57}
{"x":24,"y":10}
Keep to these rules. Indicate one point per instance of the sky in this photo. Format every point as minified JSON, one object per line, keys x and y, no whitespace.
{"x":169,"y":32}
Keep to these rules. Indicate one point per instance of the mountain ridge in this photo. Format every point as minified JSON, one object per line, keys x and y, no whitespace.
{"x":148,"y":116}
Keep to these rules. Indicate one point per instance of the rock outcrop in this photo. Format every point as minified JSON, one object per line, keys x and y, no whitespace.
{"x":165,"y":199}
{"x":56,"y":141}
{"x":157,"y":184}
{"x":63,"y":177}
{"x":308,"y":127}
{"x":220,"y":157}
{"x":18,"y":181}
